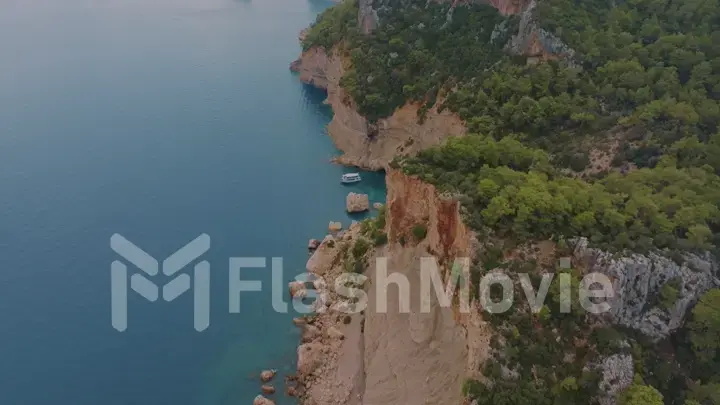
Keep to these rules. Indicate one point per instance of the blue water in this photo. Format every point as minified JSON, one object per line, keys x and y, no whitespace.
{"x":159,"y":120}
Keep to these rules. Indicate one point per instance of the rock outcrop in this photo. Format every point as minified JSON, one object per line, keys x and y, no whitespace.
{"x":390,"y":356}
{"x":334,"y":226}
{"x":637,"y":280}
{"x":509,"y":7}
{"x":367,"y":16}
{"x":261,"y":400}
{"x":267,"y":375}
{"x":399,"y":134}
{"x":617,"y":373}
{"x":533,"y":41}
{"x":355,"y":202}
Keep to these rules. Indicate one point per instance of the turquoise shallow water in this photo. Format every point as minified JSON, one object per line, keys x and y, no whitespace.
{"x":159,"y":120}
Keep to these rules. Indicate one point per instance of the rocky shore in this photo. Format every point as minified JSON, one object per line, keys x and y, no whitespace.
{"x":389,"y":356}
{"x":329,"y":357}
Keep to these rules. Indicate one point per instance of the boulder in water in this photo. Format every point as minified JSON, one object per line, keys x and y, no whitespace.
{"x":357,"y":202}
{"x":297,"y":289}
{"x":261,"y":400}
{"x":267,"y":375}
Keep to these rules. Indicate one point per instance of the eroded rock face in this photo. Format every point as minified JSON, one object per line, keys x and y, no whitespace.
{"x":357,"y":202}
{"x":367,"y":16}
{"x":399,"y":134}
{"x":310,"y":357}
{"x":637,"y":280}
{"x":535,"y":42}
{"x":389,"y":356}
{"x":617,"y":374}
{"x":509,"y":7}
{"x":325,"y":256}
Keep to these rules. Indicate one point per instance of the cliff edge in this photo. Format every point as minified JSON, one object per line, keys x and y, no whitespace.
{"x":425,"y":356}
{"x":362,"y":145}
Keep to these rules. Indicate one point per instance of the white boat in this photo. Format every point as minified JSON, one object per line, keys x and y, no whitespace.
{"x":351,"y":178}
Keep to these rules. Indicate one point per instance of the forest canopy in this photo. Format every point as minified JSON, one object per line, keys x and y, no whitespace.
{"x":641,"y":86}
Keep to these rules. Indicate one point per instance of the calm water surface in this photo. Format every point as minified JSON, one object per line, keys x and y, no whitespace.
{"x":159,"y":120}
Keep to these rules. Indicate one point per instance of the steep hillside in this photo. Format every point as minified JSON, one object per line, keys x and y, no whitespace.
{"x":590,"y":145}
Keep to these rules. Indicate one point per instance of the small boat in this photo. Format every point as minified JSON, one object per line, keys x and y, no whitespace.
{"x":351,"y":178}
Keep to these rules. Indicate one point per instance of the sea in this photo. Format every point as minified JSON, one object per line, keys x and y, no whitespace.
{"x":159,"y":121}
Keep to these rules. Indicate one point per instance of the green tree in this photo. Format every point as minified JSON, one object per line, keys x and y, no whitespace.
{"x":705,"y":326}
{"x":640,"y":394}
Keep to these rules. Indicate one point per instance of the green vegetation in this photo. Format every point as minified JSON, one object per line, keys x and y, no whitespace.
{"x":541,"y":350}
{"x":419,"y":232}
{"x":705,"y":327}
{"x":332,"y":26}
{"x":381,"y":239}
{"x":643,"y":85}
{"x":641,"y":394}
{"x":374,"y":228}
{"x":360,"y":247}
{"x":669,"y":293}
{"x":512,"y":189}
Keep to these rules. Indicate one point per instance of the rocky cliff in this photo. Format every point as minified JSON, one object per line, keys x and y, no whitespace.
{"x":637,"y":282}
{"x":533,"y":41}
{"x":395,"y":356}
{"x":399,"y":134}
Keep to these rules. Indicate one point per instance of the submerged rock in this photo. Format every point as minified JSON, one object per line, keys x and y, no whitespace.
{"x":378,"y":205}
{"x":357,"y":202}
{"x":268,"y":389}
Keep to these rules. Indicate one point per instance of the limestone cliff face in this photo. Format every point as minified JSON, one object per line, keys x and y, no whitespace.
{"x":637,"y":280}
{"x":530,"y":40}
{"x":399,"y":134}
{"x":367,"y":16}
{"x":391,"y":354}
{"x":533,"y":41}
{"x":411,"y":202}
{"x":509,"y":7}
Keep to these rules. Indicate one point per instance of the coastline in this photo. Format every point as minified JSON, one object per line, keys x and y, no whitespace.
{"x":397,"y":135}
{"x":333,"y":364}
{"x":390,"y":357}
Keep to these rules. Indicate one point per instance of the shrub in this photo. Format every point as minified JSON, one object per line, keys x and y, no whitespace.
{"x":419,"y":231}
{"x":360,"y":248}
{"x":381,"y":239}
{"x":669,"y":293}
